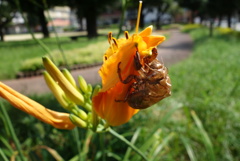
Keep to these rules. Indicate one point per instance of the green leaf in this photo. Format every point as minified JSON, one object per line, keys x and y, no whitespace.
{"x":188,"y":148}
{"x":134,"y":139}
{"x":205,"y":138}
{"x":161,"y":146}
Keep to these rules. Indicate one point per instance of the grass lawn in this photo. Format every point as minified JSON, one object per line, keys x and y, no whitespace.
{"x":208,"y":83}
{"x":26,"y":55}
{"x":14,"y":54}
{"x":200,"y":121}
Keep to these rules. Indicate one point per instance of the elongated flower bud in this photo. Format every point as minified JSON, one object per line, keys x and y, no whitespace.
{"x":57,"y":119}
{"x":69,"y":77}
{"x":70,"y":91}
{"x":56,"y":90}
{"x":77,"y":121}
{"x":83,"y":84}
{"x":78,"y":112}
{"x":96,"y":90}
{"x":89,"y":88}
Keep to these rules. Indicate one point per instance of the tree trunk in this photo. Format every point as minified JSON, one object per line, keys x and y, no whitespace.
{"x":91,"y":18}
{"x":211,"y":27}
{"x":192,"y":16}
{"x":219,"y":20}
{"x":158,"y":20}
{"x":80,"y":19}
{"x":1,"y":34}
{"x":201,"y":19}
{"x":43,"y":23}
{"x":161,"y":10}
{"x":229,"y":20}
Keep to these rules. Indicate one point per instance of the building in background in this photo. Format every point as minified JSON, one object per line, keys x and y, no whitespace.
{"x":62,"y":18}
{"x":17,"y":25}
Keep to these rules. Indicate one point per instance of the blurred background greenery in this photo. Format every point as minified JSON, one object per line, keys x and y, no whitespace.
{"x":200,"y":121}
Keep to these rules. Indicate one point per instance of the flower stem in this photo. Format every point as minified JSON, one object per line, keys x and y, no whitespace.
{"x":45,"y":48}
{"x":120,"y":137}
{"x":12,"y":132}
{"x":3,"y":155}
{"x":123,"y":15}
{"x":78,"y":142}
{"x":56,"y":35}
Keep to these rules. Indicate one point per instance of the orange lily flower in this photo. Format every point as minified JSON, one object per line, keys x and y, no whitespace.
{"x":57,"y":119}
{"x":122,"y":50}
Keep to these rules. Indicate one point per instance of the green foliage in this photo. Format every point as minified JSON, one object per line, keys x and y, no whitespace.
{"x":190,"y":27}
{"x":225,"y":30}
{"x":171,"y":26}
{"x":200,"y":121}
{"x":208,"y":83}
{"x":27,"y":54}
{"x":87,"y":55}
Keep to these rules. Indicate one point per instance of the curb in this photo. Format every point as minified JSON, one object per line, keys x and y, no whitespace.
{"x":28,"y":74}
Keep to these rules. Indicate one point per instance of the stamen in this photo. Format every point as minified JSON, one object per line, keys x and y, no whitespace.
{"x":126,"y":34}
{"x":105,"y":57}
{"x":138,"y":16}
{"x":115,"y":42}
{"x":109,"y":37}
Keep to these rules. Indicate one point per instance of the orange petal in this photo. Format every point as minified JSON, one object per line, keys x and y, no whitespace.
{"x":57,"y":119}
{"x":114,"y":112}
{"x":108,"y":71}
{"x":146,"y":32}
{"x":105,"y":104}
{"x":153,"y":41}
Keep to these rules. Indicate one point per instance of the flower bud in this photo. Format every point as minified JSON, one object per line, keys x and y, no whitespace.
{"x":77,"y":121}
{"x":69,"y":77}
{"x":79,"y":112}
{"x":88,"y":106}
{"x":90,"y":88}
{"x":56,"y":90}
{"x":83,"y":84}
{"x":96,"y":90}
{"x":70,"y":91}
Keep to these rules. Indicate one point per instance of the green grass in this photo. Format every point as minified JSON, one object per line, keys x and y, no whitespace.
{"x":208,"y":83}
{"x":200,"y":121}
{"x":14,"y":54}
{"x":26,"y":55}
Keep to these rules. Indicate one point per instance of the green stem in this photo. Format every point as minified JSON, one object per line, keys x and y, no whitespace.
{"x":124,"y":7}
{"x":78,"y":142}
{"x":3,"y":155}
{"x":57,"y":37}
{"x":30,"y":31}
{"x":12,"y":132}
{"x":120,"y":137}
{"x":102,"y":145}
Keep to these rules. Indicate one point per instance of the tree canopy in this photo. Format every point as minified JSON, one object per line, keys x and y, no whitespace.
{"x":7,"y":12}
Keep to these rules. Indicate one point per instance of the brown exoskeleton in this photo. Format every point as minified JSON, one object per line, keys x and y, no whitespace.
{"x":150,"y":86}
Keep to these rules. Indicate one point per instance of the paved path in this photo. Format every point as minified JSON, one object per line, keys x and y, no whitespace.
{"x":176,"y":48}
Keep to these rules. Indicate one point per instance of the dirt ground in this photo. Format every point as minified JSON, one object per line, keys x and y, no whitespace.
{"x":176,"y":48}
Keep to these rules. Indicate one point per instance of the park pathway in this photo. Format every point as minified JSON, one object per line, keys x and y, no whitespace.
{"x":176,"y":48}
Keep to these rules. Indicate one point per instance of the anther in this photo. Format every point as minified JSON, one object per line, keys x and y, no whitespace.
{"x":126,"y":34}
{"x":115,"y":41}
{"x":109,"y":37}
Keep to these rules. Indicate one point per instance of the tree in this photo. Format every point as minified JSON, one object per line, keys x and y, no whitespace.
{"x":193,"y":5}
{"x":214,"y":9}
{"x":90,"y":9}
{"x":230,"y":6}
{"x":162,"y":7}
{"x":35,"y":9}
{"x":7,"y":12}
